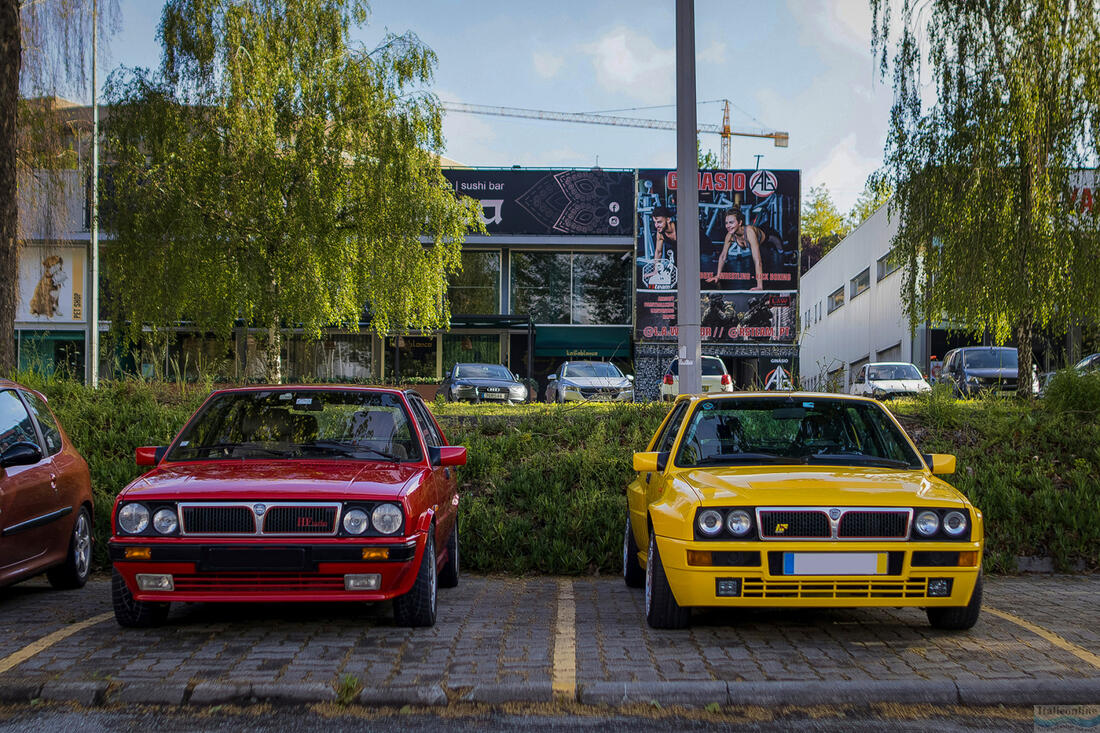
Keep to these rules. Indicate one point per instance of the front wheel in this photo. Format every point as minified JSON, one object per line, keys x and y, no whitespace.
{"x":132,"y":613}
{"x":958,"y":618}
{"x":633,"y":574}
{"x":417,"y":607}
{"x":661,"y":609}
{"x":73,"y":573}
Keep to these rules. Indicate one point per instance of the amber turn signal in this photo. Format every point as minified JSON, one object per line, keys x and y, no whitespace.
{"x":699,"y":557}
{"x":139,"y":553}
{"x":376,"y":553}
{"x":968,"y":559}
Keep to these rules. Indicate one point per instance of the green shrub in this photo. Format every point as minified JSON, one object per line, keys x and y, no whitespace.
{"x":1070,"y":391}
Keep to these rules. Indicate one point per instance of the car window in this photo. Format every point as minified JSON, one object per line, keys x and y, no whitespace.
{"x":284,"y":423}
{"x":50,"y":432}
{"x":992,"y":358}
{"x":590,"y":369}
{"x":482,"y":371}
{"x":432,"y":436}
{"x":15,"y":422}
{"x":779,"y":430}
{"x":671,"y":428}
{"x":712,"y":367}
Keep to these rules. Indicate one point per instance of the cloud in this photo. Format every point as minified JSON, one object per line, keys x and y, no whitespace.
{"x":844,"y":171}
{"x":630,"y":63}
{"x":547,"y":65}
{"x":846,"y":23}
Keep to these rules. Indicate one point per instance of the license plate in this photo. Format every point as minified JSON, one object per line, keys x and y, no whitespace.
{"x":254,"y":559}
{"x":834,"y":563}
{"x":494,"y":396}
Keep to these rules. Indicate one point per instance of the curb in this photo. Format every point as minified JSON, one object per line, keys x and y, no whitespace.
{"x":1009,"y":692}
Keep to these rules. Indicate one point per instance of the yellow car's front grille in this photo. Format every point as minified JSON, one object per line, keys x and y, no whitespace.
{"x":912,"y":588}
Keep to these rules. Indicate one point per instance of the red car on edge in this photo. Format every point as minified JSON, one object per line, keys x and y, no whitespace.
{"x":292,"y":493}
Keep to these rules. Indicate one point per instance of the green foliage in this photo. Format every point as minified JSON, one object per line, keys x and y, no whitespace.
{"x":706,"y":160}
{"x":821,"y":221}
{"x":876,"y":192}
{"x":1069,"y":391}
{"x":272,"y":170}
{"x":989,"y":225}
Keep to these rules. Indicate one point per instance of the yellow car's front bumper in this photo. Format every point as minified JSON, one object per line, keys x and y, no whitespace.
{"x":763,"y":582}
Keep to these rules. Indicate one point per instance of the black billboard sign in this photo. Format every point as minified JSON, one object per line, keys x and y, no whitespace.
{"x":748,"y":223}
{"x":555,"y":202}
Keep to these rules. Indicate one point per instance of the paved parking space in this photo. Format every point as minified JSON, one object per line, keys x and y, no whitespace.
{"x":510,"y":638}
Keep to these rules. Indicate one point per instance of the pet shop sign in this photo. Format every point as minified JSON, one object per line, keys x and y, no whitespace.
{"x":51,"y":285}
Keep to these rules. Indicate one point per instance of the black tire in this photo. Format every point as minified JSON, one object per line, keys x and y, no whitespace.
{"x":633,"y":572}
{"x":73,"y":573}
{"x":448,"y":576}
{"x":661,"y":609}
{"x":417,"y":607}
{"x":958,"y":618}
{"x":134,"y":614}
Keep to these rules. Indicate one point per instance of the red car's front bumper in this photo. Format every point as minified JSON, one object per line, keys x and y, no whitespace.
{"x":236,"y":571}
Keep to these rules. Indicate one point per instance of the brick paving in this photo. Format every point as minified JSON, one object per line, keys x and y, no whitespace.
{"x":496,"y":631}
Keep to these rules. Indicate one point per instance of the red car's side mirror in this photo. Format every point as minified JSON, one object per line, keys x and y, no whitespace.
{"x":452,"y":455}
{"x":146,"y":455}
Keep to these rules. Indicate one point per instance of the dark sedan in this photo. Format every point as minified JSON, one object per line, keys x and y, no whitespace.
{"x":482,"y":383}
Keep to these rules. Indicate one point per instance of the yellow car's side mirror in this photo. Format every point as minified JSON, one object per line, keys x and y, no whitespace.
{"x":645,"y":462}
{"x":942,"y":464}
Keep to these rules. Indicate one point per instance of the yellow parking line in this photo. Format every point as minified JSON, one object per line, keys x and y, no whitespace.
{"x":565,"y":644}
{"x":1050,"y":636}
{"x":13,"y":660}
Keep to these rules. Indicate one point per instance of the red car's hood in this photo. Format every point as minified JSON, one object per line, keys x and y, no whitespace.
{"x":274,"y":480}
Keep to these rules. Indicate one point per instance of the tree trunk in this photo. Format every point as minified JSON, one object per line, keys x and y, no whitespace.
{"x":274,"y":362}
{"x":1023,"y":356}
{"x":10,"y":62}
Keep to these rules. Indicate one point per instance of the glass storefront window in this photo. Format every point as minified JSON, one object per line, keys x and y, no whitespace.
{"x":480,"y":348}
{"x":476,"y":290}
{"x":601,"y":288}
{"x":417,"y":357}
{"x":572,"y":287}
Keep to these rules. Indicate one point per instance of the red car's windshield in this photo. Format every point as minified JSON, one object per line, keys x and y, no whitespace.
{"x":299,"y":423}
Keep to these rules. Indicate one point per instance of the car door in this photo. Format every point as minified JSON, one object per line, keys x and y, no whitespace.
{"x":442,"y":486}
{"x":69,"y":469}
{"x":649,"y":485}
{"x":27,"y":492}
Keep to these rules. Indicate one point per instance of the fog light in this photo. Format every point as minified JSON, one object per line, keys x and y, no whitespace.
{"x":139,"y":553}
{"x":939,"y":587}
{"x":369,"y":581}
{"x":148,"y":581}
{"x":376,"y":553}
{"x":727,"y":587}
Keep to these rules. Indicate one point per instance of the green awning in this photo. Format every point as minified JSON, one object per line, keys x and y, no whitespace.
{"x":583,"y":342}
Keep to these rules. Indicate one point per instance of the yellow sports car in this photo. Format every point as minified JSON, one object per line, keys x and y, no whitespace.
{"x":797,"y":499}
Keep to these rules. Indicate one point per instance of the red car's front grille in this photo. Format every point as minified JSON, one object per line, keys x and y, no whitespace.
{"x":300,"y":520}
{"x":218,"y":520}
{"x":257,"y":582}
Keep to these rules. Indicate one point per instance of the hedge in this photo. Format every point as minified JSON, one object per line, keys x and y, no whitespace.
{"x":544,"y":489}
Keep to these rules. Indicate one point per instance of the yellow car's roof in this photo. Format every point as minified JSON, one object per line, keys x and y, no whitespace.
{"x":791,"y":395}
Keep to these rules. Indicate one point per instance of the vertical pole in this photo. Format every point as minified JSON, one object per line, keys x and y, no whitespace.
{"x":687,"y":202}
{"x":91,"y":356}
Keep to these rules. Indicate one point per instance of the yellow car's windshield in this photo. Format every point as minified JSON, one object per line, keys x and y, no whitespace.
{"x":782,"y":430}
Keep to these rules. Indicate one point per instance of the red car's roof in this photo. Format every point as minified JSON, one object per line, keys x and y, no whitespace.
{"x":326,"y":387}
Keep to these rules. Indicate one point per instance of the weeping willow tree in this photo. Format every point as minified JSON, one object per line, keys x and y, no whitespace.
{"x":996,"y":113}
{"x":273,"y":172}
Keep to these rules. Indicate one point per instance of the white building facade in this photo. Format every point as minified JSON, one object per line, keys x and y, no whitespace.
{"x":851,"y":309}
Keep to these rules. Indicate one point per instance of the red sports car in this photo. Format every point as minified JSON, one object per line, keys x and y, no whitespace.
{"x":292,"y":494}
{"x":45,"y":494}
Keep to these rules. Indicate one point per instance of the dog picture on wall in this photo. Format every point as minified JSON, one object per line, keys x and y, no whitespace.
{"x":45,"y":300}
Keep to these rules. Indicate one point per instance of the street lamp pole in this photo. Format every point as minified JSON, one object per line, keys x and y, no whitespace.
{"x":687,"y":203}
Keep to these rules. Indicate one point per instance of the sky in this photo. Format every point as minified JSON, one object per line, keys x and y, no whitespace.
{"x":800,"y":66}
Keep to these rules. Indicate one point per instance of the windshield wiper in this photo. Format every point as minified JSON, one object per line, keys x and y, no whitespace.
{"x":233,"y":447}
{"x":721,"y":458}
{"x":859,"y":458}
{"x":347,"y":449}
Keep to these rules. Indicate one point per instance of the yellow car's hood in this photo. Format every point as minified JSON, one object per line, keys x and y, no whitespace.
{"x":818,"y":486}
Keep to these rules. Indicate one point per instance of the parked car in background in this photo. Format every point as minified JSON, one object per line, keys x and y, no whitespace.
{"x":885,"y":379}
{"x":1090,"y":363}
{"x":597,"y":381}
{"x":483,"y":383}
{"x":715,"y":378}
{"x":284,"y":493}
{"x":45,"y":494}
{"x":973,"y":370}
{"x":797,"y":500}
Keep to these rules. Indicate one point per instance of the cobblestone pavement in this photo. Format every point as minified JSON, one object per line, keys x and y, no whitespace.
{"x":499,"y":634}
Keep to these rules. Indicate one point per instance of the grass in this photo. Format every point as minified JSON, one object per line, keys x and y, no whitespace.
{"x":544,"y":489}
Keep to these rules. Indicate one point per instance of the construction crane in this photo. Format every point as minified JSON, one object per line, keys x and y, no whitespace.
{"x":780,"y":138}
